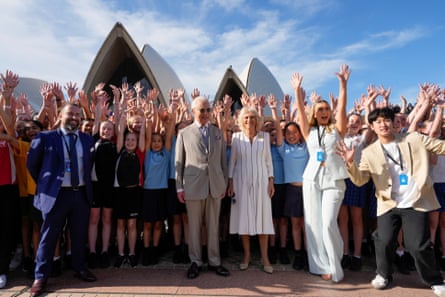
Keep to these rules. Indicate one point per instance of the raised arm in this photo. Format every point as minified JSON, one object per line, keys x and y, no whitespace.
{"x":340,"y":116}
{"x":299,"y":103}
{"x":276,"y":119}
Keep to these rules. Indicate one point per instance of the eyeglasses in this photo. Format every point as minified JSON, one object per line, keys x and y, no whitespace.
{"x":202,"y":110}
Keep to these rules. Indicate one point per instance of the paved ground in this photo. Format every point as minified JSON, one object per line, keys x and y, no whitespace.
{"x":167,"y":279}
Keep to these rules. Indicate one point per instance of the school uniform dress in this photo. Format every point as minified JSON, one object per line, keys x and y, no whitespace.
{"x":323,"y":192}
{"x":154,"y":205}
{"x":295,"y":158}
{"x":127,"y":190}
{"x":250,"y":168}
{"x":102,"y":174}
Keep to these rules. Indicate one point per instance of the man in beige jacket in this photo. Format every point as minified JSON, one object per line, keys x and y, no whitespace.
{"x":399,"y":168}
{"x":201,"y":182}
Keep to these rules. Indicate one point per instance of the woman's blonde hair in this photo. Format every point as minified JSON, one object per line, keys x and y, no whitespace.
{"x":313,"y":120}
{"x":246,"y":110}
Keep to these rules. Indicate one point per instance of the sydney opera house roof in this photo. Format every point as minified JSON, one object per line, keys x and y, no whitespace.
{"x":255,"y":78}
{"x":119,"y":59}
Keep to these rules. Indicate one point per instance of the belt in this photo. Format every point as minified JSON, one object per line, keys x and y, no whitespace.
{"x":75,"y":189}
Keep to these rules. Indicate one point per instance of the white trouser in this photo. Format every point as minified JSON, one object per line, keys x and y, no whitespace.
{"x":322,"y":200}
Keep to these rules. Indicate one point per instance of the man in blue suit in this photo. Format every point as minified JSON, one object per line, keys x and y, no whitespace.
{"x":60,"y":162}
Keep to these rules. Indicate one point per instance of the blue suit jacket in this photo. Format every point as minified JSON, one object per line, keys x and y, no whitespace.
{"x":47,"y":167}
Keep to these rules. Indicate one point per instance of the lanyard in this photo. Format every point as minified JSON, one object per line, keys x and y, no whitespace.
{"x":400,"y":163}
{"x":321,"y":137}
{"x":67,"y":146}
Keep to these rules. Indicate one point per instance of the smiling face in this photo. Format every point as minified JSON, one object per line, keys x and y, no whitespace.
{"x":31,"y":130}
{"x":156,"y":142}
{"x":70,"y":117}
{"x":354,"y":124}
{"x":131,"y":142}
{"x":383,"y":127}
{"x":106,"y":130}
{"x":136,"y":123}
{"x":201,"y":112}
{"x":322,"y":113}
{"x":292,"y":134}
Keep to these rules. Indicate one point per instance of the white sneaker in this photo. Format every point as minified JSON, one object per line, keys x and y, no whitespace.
{"x":439,"y":290}
{"x":16,"y":261}
{"x":3,"y":280}
{"x":379,"y":282}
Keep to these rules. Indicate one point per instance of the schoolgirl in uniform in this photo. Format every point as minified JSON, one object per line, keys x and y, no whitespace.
{"x":102,"y":177}
{"x":127,"y":184}
{"x":154,"y":205}
{"x":355,"y":198}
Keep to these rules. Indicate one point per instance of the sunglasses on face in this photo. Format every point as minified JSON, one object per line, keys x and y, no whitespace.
{"x":203,"y":110}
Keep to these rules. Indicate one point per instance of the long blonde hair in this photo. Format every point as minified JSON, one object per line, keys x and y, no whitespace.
{"x":312,"y":119}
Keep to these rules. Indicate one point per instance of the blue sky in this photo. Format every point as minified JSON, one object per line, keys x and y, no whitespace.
{"x":397,"y":44}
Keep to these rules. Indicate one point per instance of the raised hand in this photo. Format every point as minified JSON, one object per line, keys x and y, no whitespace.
{"x":195,"y":93}
{"x":152,"y":95}
{"x":71,"y":90}
{"x":314,"y":97}
{"x":344,"y":73}
{"x":271,"y":101}
{"x":138,"y":88}
{"x":296,"y":80}
{"x":347,"y":154}
{"x":10,"y":80}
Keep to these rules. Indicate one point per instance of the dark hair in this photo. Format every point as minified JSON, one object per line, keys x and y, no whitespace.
{"x":35,"y":122}
{"x":296,"y":126}
{"x":385,"y":112}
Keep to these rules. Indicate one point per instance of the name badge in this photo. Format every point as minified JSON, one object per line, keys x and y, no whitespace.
{"x":403,"y":179}
{"x":67,"y":166}
{"x":320,"y":156}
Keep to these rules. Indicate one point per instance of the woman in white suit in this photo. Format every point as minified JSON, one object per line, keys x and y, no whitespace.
{"x":323,"y":178}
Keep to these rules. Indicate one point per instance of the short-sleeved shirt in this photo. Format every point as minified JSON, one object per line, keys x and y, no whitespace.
{"x":295,"y":158}
{"x":156,"y":169}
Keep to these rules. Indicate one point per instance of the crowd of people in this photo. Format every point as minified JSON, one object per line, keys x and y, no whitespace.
{"x":107,"y":178}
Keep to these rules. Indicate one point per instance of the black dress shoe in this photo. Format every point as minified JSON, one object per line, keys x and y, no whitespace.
{"x":220,"y":270}
{"x":193,"y":271}
{"x":37,"y":287}
{"x":85,"y":275}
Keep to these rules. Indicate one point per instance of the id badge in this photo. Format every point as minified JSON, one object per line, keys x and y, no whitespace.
{"x":403,"y":179}
{"x":320,"y":156}
{"x":67,"y":166}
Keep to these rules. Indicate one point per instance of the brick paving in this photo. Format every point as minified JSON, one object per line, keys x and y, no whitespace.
{"x":168,"y":279}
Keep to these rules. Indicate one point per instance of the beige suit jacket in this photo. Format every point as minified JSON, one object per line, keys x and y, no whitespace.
{"x":200,"y":171}
{"x":414,"y":148}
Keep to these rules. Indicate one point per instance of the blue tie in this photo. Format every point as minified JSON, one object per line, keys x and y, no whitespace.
{"x":205,"y":135}
{"x":73,"y":160}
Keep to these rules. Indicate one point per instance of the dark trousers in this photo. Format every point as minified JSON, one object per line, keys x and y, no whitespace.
{"x":416,"y":237}
{"x":9,"y":196}
{"x":74,"y":207}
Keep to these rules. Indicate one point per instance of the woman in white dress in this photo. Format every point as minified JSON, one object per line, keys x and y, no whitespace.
{"x":323,"y":178}
{"x":251,"y":185}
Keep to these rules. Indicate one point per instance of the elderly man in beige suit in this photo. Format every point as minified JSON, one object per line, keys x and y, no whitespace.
{"x":201,"y":182}
{"x":399,"y":168}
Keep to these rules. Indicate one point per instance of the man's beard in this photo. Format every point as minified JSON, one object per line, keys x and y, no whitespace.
{"x":71,"y":127}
